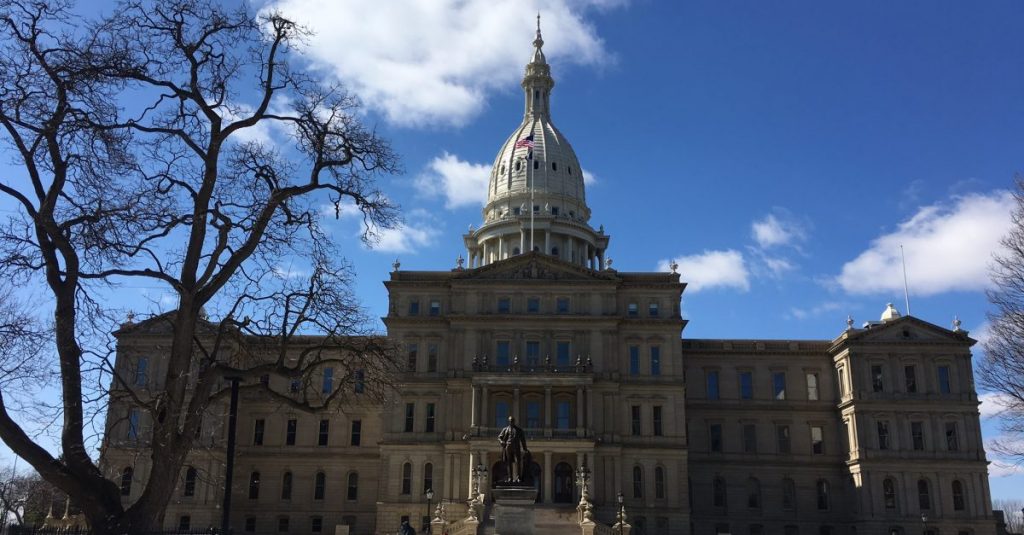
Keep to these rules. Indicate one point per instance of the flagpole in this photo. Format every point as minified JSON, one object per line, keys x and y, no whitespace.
{"x":533,"y":179}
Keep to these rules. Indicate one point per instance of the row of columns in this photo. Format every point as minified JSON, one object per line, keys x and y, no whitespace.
{"x":547,"y":473}
{"x":571,"y":249}
{"x":480,"y":400}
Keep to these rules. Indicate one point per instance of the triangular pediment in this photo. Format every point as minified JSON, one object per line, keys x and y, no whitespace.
{"x":162,"y":324}
{"x":909,"y":329}
{"x":536,"y":266}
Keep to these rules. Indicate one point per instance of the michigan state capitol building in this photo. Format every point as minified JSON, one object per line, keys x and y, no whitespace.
{"x":874,"y":431}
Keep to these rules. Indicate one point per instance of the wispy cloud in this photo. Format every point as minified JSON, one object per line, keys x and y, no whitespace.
{"x":712,"y":269}
{"x":427,"y":62}
{"x":777,"y":229}
{"x":419,"y":232}
{"x":948,"y":247}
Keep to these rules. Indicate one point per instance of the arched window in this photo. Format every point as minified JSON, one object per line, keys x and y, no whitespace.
{"x":515,"y":251}
{"x":659,"y":483}
{"x":569,"y":169}
{"x":718,"y":492}
{"x":190,"y":482}
{"x":563,"y":490}
{"x":554,"y":166}
{"x":788,"y":495}
{"x":824,"y":501}
{"x":753,"y":493}
{"x":924,"y":497}
{"x":958,"y":495}
{"x":889,"y":494}
{"x":353,"y":486}
{"x":428,"y":477}
{"x":126,"y":480}
{"x":407,"y":478}
{"x":319,"y":486}
{"x":254,"y":485}
{"x":502,"y":169}
{"x":518,"y":164}
{"x":638,"y":482}
{"x":554,"y":251}
{"x":536,"y":164}
{"x":286,"y":486}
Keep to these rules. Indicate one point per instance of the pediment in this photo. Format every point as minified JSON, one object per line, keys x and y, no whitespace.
{"x":910,"y":329}
{"x":535,"y":266}
{"x":161,"y":325}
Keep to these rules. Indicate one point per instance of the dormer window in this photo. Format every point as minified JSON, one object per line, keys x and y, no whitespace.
{"x":632,"y":310}
{"x":554,"y":210}
{"x":652,"y":309}
{"x":502,"y":169}
{"x":536,"y":164}
{"x":569,"y":169}
{"x":517,"y":165}
{"x":554,"y":166}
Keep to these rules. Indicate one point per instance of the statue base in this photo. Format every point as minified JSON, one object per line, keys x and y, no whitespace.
{"x":513,"y":509}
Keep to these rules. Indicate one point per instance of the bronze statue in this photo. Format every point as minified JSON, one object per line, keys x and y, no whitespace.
{"x":513,"y":446}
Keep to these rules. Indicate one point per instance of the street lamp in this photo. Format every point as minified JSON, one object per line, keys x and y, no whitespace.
{"x":430,"y":497}
{"x":924,"y":524}
{"x":622,"y":510}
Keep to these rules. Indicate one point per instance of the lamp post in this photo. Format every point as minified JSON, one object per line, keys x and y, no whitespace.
{"x":622,"y":510}
{"x":430,"y":498}
{"x":924,"y":524}
{"x":481,"y":482}
{"x":229,"y":466}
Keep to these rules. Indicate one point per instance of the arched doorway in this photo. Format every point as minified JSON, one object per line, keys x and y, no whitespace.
{"x":563,"y":483}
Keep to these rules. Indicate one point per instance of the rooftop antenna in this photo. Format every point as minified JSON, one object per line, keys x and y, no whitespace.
{"x":906,"y":288}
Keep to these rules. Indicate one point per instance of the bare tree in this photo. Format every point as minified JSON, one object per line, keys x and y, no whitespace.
{"x":1013,"y":513}
{"x":149,"y":149}
{"x":26,"y":499}
{"x":1002,"y":369}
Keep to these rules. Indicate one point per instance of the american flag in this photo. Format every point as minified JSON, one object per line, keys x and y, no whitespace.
{"x":525,"y":142}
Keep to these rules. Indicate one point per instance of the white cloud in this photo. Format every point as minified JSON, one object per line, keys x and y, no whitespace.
{"x":815,"y":311}
{"x":345,"y":209}
{"x":948,"y":248}
{"x":462,"y":183}
{"x":424,"y":62}
{"x":589,"y":178}
{"x":777,"y":229}
{"x":992,"y":404}
{"x":419,"y":232}
{"x":712,"y":269}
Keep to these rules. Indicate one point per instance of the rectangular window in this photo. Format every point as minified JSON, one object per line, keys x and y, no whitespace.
{"x":562,"y":351}
{"x":250,"y":524}
{"x":877,"y":381}
{"x":782,"y":437}
{"x":749,"y":438}
{"x":842,"y":381}
{"x":655,"y":360}
{"x":952,"y":438}
{"x":532,"y":305}
{"x":431,"y":408}
{"x":504,"y":305}
{"x":652,"y":310}
{"x":328,"y":383}
{"x":257,"y":431}
{"x":133,"y":424}
{"x":944,"y":380}
{"x":883,"y":435}
{"x":324,"y":432}
{"x":711,"y":378}
{"x":910,"y":378}
{"x":917,"y":435}
{"x":715,"y":437}
{"x":656,"y":418}
{"x":746,"y":385}
{"x":359,"y":381}
{"x":812,"y":387}
{"x":410,"y":417}
{"x":414,"y":307}
{"x":635,"y":420}
{"x":817,"y":440}
{"x":562,"y":413}
{"x":412,"y":357}
{"x":142,"y":372}
{"x":562,"y":305}
{"x":282,"y":524}
{"x":634,"y":360}
{"x":500,"y":413}
{"x":533,"y":415}
{"x":435,"y":307}
{"x":356,"y":435}
{"x":532,"y":353}
{"x":184,"y":523}
{"x":290,"y":430}
{"x":503,"y":353}
{"x":316,"y":524}
{"x":779,"y":385}
{"x":632,"y":310}
{"x":432,"y":352}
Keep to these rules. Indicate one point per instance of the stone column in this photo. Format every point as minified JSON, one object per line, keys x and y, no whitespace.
{"x":515,"y":403}
{"x":548,"y":472}
{"x":474,"y":409}
{"x":484,"y":411}
{"x":501,"y":246}
{"x":486,"y":250}
{"x":547,"y":411}
{"x":547,"y":242}
{"x":522,"y":240}
{"x":579,"y":411}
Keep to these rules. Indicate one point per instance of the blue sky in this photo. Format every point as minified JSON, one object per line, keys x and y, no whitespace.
{"x":781,"y":151}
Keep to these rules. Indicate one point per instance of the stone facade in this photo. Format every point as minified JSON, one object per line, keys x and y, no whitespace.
{"x":874,"y":432}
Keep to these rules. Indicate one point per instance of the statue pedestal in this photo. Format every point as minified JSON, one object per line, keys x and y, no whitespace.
{"x":513,"y":509}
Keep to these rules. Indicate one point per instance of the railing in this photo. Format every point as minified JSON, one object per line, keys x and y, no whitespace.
{"x":39,"y":530}
{"x":582,"y":365}
{"x":537,"y":433}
